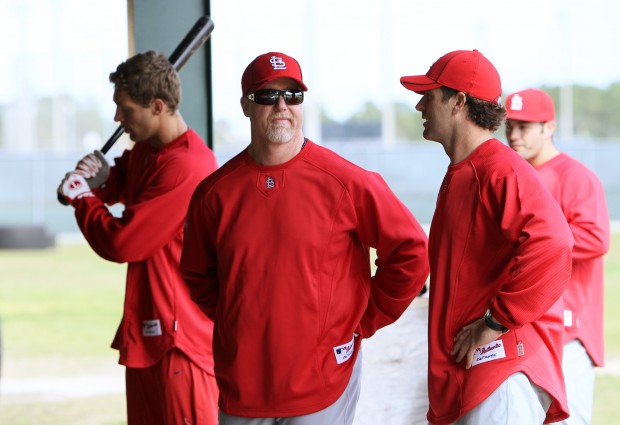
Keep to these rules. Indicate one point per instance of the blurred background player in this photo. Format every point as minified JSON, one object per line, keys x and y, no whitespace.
{"x":499,"y":252}
{"x":164,"y":340}
{"x":530,"y":125}
{"x":277,"y":254}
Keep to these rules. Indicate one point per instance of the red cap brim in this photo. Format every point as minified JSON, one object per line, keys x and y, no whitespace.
{"x":262,"y":83}
{"x":419,"y":83}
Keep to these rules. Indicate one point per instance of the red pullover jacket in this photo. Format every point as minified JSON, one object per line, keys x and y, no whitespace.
{"x":278,"y":256}
{"x":155,"y":186}
{"x":582,"y":199}
{"x":498,"y":241}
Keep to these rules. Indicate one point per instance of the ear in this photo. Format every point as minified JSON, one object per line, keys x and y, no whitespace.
{"x":157,"y":106}
{"x":245,"y":106}
{"x":459,"y":99}
{"x":549,"y":128}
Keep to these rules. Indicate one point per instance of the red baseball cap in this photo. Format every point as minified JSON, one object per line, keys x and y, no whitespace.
{"x":531,"y":105}
{"x":268,"y":67}
{"x":467,"y":71}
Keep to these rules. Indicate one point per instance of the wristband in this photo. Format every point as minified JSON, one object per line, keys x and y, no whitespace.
{"x":488,"y":320}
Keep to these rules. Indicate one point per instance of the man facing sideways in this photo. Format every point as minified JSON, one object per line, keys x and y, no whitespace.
{"x":499,"y":250}
{"x":164,"y":340}
{"x":530,"y":125}
{"x":277,"y":254}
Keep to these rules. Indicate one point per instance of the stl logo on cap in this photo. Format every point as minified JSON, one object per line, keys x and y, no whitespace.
{"x":277,"y":63}
{"x":516,"y":103}
{"x":530,"y":105}
{"x":268,"y":67}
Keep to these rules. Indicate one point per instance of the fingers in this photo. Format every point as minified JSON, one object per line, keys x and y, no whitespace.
{"x":463,"y":344}
{"x":60,"y":195}
{"x":100,"y":156}
{"x":89,"y":165}
{"x":463,"y":338}
{"x":83,"y":173}
{"x":469,"y":338}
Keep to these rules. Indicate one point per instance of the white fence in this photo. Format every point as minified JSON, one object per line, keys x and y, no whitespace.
{"x":28,"y":182}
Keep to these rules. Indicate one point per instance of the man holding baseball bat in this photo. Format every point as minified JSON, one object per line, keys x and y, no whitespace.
{"x":530,"y":125}
{"x":277,"y":253}
{"x":500,"y":255}
{"x":164,"y":340}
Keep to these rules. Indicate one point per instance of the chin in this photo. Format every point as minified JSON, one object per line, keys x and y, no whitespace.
{"x":281,"y":136}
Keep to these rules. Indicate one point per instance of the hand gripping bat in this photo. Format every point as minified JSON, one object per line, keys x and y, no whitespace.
{"x":194,"y":39}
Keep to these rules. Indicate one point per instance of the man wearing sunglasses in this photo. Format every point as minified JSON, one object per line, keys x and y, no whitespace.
{"x":277,"y":253}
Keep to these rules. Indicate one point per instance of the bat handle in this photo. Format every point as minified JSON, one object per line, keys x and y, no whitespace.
{"x":113,"y":138}
{"x":195,"y":38}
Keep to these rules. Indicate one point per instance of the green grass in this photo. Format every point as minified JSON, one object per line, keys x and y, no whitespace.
{"x":606,"y":410}
{"x":60,"y":309}
{"x":59,"y":302}
{"x":612,"y":298}
{"x":606,"y":407}
{"x":101,"y":410}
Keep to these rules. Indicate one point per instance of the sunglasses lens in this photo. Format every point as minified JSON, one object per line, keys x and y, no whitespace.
{"x":266,"y":97}
{"x":270,"y":97}
{"x":293,"y":97}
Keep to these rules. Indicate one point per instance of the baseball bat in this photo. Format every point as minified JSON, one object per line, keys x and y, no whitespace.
{"x":195,"y":38}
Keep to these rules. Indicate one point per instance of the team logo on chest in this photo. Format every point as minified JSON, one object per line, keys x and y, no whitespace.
{"x":270,"y":182}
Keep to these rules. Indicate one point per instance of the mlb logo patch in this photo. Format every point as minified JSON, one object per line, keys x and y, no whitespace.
{"x":345,"y":351}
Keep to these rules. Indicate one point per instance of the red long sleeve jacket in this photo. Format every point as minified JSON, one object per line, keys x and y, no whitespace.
{"x":278,"y":256}
{"x":582,"y":199}
{"x":498,"y":241}
{"x":155,"y":186}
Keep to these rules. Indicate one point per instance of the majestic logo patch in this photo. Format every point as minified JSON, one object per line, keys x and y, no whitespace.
{"x":277,"y":63}
{"x":488,"y":352}
{"x":151,"y":328}
{"x":344,"y":352}
{"x":568,"y":318}
{"x":270,"y":182}
{"x":516,"y":103}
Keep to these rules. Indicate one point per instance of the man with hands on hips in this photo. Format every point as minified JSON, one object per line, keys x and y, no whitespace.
{"x":277,"y":253}
{"x":164,"y":340}
{"x":500,"y":253}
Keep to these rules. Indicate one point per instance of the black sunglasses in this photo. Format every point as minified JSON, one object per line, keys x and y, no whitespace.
{"x":271,"y":96}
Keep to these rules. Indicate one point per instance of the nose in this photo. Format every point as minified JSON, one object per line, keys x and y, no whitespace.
{"x":117,"y":115}
{"x":280,"y":104}
{"x":420,"y":105}
{"x":511,"y":133}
